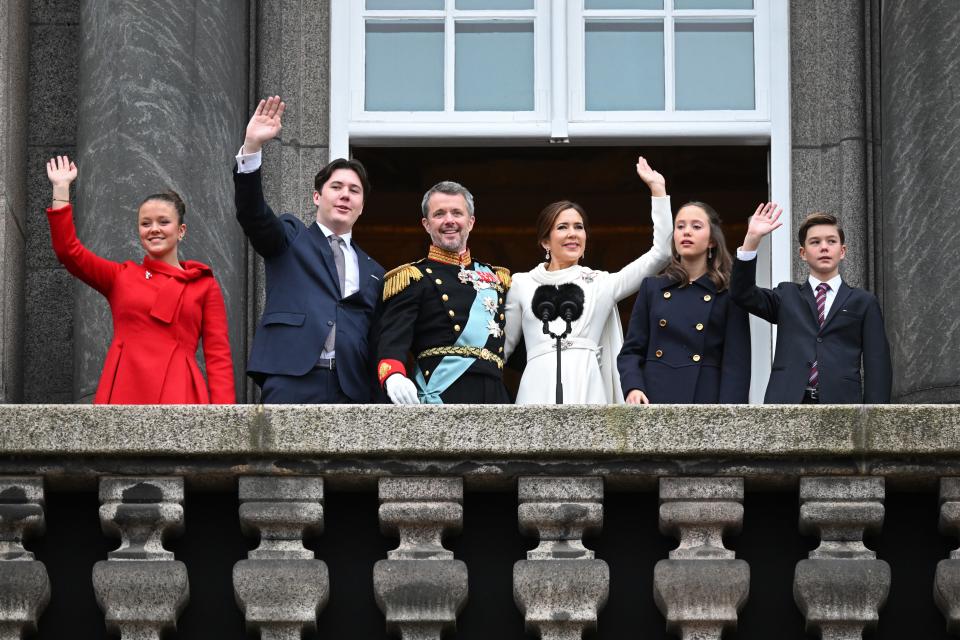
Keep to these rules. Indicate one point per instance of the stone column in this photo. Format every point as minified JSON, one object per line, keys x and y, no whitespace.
{"x":163,"y":104}
{"x":24,"y":585}
{"x":14,"y":44}
{"x":921,"y":188}
{"x":281,"y":587}
{"x":946,"y":587}
{"x":842,"y":585}
{"x":140,"y":587}
{"x":420,"y":587}
{"x":701,"y":587}
{"x":560,"y":587}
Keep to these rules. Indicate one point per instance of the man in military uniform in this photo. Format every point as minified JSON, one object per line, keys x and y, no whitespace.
{"x":448,"y":310}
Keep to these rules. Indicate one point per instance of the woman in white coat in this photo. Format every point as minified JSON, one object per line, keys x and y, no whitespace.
{"x":589,"y":353}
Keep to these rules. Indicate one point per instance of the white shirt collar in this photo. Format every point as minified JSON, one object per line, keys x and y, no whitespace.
{"x":833,"y":282}
{"x":345,"y":236}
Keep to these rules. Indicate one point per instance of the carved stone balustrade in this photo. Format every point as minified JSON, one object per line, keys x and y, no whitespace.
{"x":841,"y":587}
{"x":140,"y":587}
{"x":701,"y":587}
{"x":946,"y":589}
{"x":281,"y":587}
{"x":24,"y":585}
{"x":420,"y":587}
{"x":560,"y":587}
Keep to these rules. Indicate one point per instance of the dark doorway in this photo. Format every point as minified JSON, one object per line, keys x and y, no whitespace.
{"x":512,"y":185}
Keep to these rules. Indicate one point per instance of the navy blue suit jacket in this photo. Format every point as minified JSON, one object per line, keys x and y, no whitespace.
{"x":304,"y":299}
{"x":852,"y":332}
{"x":686,"y":344}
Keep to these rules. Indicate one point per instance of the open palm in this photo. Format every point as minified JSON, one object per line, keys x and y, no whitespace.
{"x":764,"y":220}
{"x":61,"y":171}
{"x":266,"y":121}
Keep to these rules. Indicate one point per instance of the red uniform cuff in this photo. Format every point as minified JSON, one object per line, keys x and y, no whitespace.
{"x":386,"y":368}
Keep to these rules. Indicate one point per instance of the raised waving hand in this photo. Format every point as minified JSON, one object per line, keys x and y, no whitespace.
{"x":265,"y":124}
{"x":764,"y":221}
{"x":652,"y":178}
{"x":61,"y":172}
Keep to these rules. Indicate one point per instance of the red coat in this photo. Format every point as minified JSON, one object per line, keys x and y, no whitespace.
{"x":159,"y":314}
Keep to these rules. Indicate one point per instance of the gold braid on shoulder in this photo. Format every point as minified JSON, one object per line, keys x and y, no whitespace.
{"x":396,"y":280}
{"x":504,"y":274}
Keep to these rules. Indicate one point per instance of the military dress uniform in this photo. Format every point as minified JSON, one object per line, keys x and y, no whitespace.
{"x":446,"y":309}
{"x":686,"y":343}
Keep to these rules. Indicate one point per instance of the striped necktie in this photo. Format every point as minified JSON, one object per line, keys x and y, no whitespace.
{"x":822,"y":289}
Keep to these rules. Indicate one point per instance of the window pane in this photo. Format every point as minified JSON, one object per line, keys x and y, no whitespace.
{"x":622,"y":4}
{"x":624,"y":66}
{"x":494,"y":66}
{"x":495,"y":4}
{"x":404,"y":65}
{"x":713,"y":4}
{"x":404,"y":4}
{"x":715,"y":65}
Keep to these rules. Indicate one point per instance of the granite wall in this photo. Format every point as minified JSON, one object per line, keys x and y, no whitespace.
{"x":833,"y":76}
{"x":51,"y":129}
{"x":163,"y":93}
{"x":921,"y":191}
{"x":14,"y":27}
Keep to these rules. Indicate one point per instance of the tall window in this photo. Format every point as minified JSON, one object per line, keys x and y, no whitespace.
{"x":554,"y":68}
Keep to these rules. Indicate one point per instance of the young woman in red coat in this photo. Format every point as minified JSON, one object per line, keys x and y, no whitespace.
{"x":160,"y":308}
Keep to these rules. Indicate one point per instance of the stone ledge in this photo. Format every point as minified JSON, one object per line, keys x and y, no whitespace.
{"x":618,"y":442}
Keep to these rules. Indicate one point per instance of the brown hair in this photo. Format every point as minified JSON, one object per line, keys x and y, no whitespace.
{"x":718,"y":266}
{"x":340,"y":163}
{"x":549,"y":215}
{"x":815,"y":218}
{"x":170,"y":197}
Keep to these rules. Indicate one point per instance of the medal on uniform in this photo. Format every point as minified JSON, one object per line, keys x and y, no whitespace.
{"x":479,"y":279}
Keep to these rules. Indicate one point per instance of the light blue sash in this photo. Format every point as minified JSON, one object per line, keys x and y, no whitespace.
{"x":450,"y":368}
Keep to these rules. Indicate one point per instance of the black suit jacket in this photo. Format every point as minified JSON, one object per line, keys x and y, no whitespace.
{"x":304,"y":298}
{"x":852,"y":335}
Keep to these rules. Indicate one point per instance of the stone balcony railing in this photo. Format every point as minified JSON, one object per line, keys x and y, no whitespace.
{"x":278,"y":462}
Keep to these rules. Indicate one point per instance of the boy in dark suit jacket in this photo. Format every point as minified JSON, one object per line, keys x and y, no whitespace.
{"x":323,"y":292}
{"x":826,"y":330}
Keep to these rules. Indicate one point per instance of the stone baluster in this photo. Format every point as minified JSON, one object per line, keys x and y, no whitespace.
{"x":420,"y":587}
{"x":281,"y":587}
{"x":946,"y":589}
{"x":841,"y":586}
{"x":24,"y":585}
{"x":701,"y":587}
{"x":140,"y":587}
{"x":560,"y":587}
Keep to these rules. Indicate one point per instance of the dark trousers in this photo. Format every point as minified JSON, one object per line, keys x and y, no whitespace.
{"x":318,"y":386}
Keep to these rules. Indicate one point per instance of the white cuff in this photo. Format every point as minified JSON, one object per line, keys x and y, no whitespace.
{"x":746,"y":256}
{"x":248,"y":162}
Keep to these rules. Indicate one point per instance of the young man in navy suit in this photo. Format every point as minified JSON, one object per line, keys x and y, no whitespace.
{"x":323,"y":291}
{"x":826,"y":330}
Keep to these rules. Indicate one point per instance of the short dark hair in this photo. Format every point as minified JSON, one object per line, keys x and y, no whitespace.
{"x":341,"y":163}
{"x":815,"y":218}
{"x":548,"y":216}
{"x":170,"y":197}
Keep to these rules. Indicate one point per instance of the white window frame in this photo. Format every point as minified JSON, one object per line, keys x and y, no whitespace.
{"x":558,"y":115}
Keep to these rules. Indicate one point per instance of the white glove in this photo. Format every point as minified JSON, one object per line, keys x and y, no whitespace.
{"x":401,"y":390}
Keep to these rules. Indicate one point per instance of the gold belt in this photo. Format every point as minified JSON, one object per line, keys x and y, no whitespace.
{"x":467,"y":352}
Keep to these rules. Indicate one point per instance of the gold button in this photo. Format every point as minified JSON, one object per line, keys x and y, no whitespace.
{"x":663,"y":322}
{"x":699,"y":326}
{"x":501,"y":316}
{"x":445,"y":297}
{"x":456,"y":327}
{"x":666,"y":294}
{"x":451,"y":313}
{"x":696,"y":357}
{"x":501,"y":300}
{"x":438,"y":281}
{"x":500,"y":350}
{"x":428,"y":270}
{"x":426,"y":373}
{"x":707,"y":298}
{"x":659,"y":353}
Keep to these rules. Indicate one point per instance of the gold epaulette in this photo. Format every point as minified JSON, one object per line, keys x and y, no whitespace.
{"x":396,"y":280}
{"x":504,"y":274}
